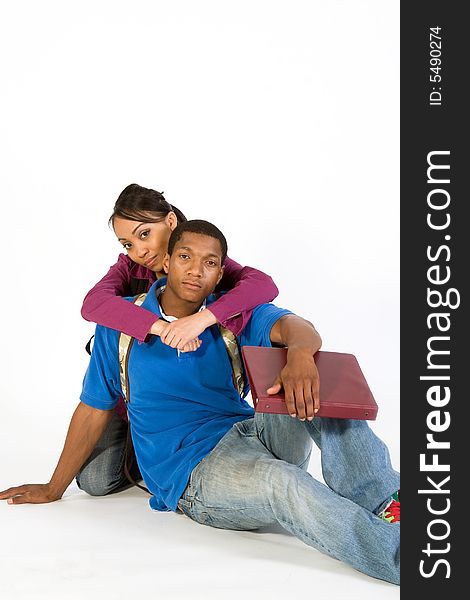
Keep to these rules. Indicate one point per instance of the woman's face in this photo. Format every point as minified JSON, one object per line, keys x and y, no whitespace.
{"x":146,"y":243}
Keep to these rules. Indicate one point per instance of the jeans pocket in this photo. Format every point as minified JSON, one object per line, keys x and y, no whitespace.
{"x":246,"y":428}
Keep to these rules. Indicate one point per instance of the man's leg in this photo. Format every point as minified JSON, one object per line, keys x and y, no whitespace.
{"x":355,"y":462}
{"x":241,"y":485}
{"x":286,"y":438}
{"x":103,"y":472}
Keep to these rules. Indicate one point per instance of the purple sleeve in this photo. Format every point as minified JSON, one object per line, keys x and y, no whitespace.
{"x":105,"y":305}
{"x":247,"y":288}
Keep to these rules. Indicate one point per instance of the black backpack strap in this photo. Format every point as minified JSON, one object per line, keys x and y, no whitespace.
{"x":88,"y":345}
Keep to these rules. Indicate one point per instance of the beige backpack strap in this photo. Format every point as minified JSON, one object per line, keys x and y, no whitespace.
{"x":233,"y":351}
{"x":125,"y":344}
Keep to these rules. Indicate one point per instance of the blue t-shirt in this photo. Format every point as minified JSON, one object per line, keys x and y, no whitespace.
{"x":181,"y":404}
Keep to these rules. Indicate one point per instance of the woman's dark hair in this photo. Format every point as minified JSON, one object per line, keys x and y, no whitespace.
{"x":138,"y":203}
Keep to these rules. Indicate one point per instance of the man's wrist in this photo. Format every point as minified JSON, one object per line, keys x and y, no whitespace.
{"x":300,"y":351}
{"x":55,"y":491}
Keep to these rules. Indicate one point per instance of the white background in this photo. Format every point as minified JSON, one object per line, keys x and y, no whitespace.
{"x":279,"y":122}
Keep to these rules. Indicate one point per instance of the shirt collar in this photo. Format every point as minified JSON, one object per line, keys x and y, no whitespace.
{"x":159,"y":290}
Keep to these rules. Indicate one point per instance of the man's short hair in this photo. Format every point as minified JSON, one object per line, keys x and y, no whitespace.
{"x":201,"y":227}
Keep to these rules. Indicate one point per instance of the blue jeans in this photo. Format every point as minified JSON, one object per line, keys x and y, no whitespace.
{"x":103,"y":472}
{"x":257,"y":475}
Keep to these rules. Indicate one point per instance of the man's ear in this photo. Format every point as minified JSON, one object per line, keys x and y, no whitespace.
{"x":166,"y":263}
{"x":221,"y":274}
{"x":171,"y":220}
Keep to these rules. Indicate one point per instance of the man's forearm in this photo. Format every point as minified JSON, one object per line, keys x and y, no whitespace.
{"x":299,"y":377}
{"x":85,"y":429}
{"x":299,"y":335}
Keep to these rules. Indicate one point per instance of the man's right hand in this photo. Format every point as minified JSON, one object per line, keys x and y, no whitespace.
{"x":33,"y":493}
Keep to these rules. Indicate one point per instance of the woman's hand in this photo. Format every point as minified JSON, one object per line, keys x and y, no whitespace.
{"x":33,"y":493}
{"x":183,"y":334}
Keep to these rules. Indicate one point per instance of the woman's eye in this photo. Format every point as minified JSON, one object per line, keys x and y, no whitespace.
{"x":127,"y":245}
{"x":144,"y":234}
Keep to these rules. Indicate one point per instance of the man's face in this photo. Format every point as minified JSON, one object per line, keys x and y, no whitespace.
{"x":195,"y":267}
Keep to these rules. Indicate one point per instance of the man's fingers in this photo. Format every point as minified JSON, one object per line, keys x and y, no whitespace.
{"x":316,"y":398}
{"x":10,"y":492}
{"x":300,"y":401}
{"x":289,"y":397}
{"x":308,"y":399}
{"x":23,"y":499}
{"x":276,"y":387}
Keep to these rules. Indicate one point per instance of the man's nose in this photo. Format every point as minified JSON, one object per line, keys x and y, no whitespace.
{"x":195,"y":268}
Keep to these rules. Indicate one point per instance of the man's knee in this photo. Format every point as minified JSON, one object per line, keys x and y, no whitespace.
{"x":287,"y":438}
{"x":93,"y":484}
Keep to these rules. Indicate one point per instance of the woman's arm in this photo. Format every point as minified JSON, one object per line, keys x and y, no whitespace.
{"x":247,"y":288}
{"x":104,"y":303}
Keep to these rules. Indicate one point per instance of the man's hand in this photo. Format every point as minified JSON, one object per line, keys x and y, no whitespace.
{"x":301,"y":384}
{"x":184,"y":333}
{"x":34,"y":493}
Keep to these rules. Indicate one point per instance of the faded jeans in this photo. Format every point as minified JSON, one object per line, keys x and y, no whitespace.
{"x":257,"y":475}
{"x":103,"y":472}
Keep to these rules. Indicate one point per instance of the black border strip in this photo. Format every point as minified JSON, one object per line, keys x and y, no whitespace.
{"x":433,"y":567}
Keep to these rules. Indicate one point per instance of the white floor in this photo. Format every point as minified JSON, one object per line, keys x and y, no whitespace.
{"x":118,"y":548}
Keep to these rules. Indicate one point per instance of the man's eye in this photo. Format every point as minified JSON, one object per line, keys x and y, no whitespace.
{"x":184,"y":256}
{"x":211,"y":263}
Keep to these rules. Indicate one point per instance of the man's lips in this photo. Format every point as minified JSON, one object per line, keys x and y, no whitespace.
{"x":193,"y":285}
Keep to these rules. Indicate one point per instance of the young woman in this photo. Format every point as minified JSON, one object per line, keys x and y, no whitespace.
{"x":143,"y":220}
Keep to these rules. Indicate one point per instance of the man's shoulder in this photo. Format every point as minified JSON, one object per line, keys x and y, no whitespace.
{"x":105,"y":337}
{"x":258,"y":329}
{"x":269,"y":309}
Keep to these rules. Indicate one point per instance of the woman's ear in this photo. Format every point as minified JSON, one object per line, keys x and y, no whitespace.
{"x":171,"y":220}
{"x":166,"y":263}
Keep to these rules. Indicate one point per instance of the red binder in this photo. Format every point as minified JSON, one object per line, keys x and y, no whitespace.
{"x":344,"y":391}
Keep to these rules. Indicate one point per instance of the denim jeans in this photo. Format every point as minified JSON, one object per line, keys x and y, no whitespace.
{"x":103,"y":472}
{"x":257,"y":475}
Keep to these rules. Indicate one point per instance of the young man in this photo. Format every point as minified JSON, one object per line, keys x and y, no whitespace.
{"x":200,"y":448}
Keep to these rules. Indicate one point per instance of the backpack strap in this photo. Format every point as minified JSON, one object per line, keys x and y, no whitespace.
{"x":125,"y":344}
{"x":233,"y":351}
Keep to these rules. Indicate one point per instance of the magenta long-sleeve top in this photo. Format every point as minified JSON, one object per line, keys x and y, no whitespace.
{"x":104,"y":304}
